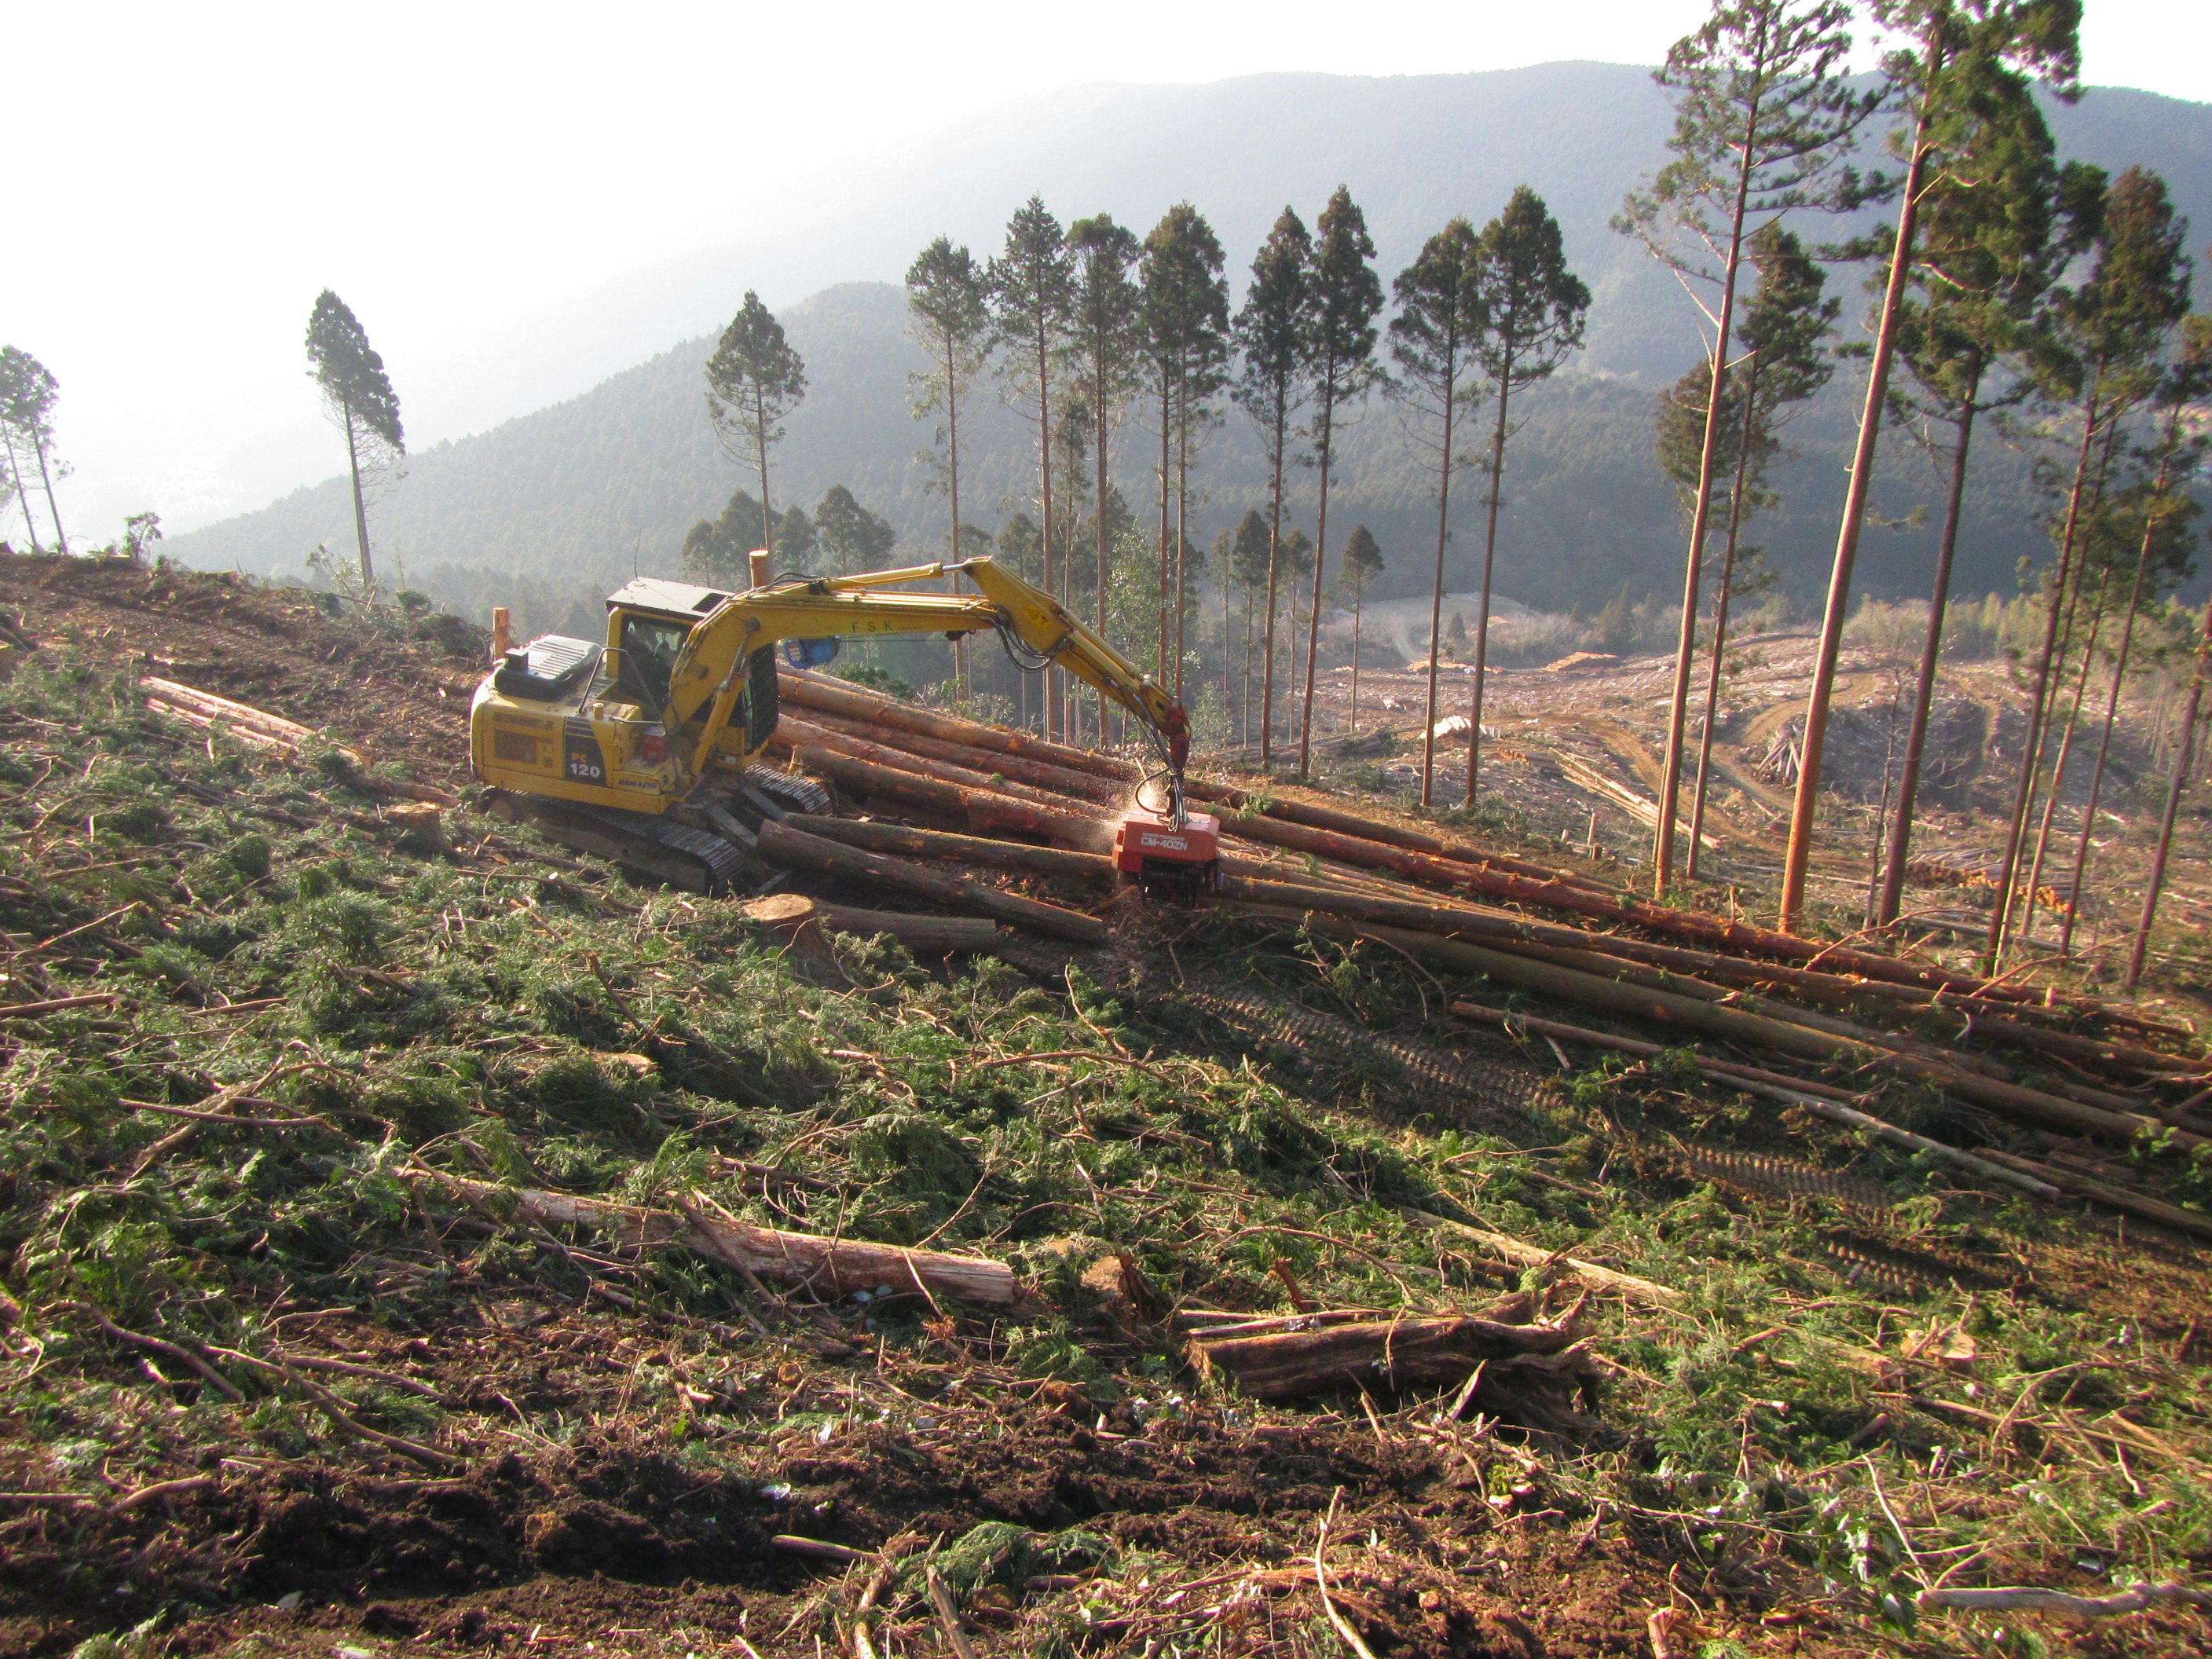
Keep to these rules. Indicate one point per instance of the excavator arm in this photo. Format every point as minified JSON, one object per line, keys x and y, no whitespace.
{"x":709,"y":674}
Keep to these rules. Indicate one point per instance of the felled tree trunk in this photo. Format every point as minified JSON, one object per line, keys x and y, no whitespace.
{"x":1532,"y":1372}
{"x":829,"y":1267}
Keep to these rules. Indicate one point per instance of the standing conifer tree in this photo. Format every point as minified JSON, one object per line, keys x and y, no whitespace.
{"x":1992,"y":241}
{"x":1763,"y":122}
{"x":358,"y":394}
{"x":27,"y":393}
{"x":753,"y":381}
{"x":2113,"y":327}
{"x":1361,"y":565}
{"x":1272,"y":331}
{"x":2163,"y":517}
{"x":2036,"y":37}
{"x":1787,"y":324}
{"x":948,"y":303}
{"x":1186,"y":322}
{"x":1340,"y":360}
{"x":1108,"y":344}
{"x":1242,"y":559}
{"x":1033,"y":295}
{"x":1443,"y":316}
{"x":2180,"y":458}
{"x":948,"y":300}
{"x":1533,"y":308}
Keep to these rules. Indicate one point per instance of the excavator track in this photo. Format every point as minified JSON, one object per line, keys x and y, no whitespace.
{"x":694,"y":859}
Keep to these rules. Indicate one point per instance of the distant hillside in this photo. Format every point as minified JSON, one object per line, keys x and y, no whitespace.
{"x":568,"y":496}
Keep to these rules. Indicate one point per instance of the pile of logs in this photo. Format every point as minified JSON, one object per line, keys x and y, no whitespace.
{"x":947,"y":804}
{"x":950,"y":811}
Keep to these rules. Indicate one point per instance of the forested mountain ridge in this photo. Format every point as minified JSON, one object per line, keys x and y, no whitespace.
{"x":576,"y":493}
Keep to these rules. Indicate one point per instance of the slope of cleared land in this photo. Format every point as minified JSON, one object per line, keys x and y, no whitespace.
{"x":277,"y":1383}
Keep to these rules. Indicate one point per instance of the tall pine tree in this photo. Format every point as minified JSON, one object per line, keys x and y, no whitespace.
{"x":1108,"y":343}
{"x":1340,"y":360}
{"x":1186,"y":322}
{"x":1763,"y":124}
{"x":1788,"y":323}
{"x":2114,"y":326}
{"x":2038,"y":37}
{"x":753,"y":381}
{"x":1443,"y":317}
{"x":29,"y":393}
{"x":1997,"y":225}
{"x":948,"y":300}
{"x":358,"y":395}
{"x":1533,"y":309}
{"x":1272,"y":331}
{"x":1361,"y":564}
{"x":1033,"y":296}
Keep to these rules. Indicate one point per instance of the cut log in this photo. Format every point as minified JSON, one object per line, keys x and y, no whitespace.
{"x":2125,"y":1200}
{"x":897,"y":785}
{"x":238,"y":713}
{"x":1529,"y":1373}
{"x":251,"y":737}
{"x":780,"y":844}
{"x":1522,"y":1253}
{"x":1390,"y":835}
{"x":830,"y":1268}
{"x":1800,"y":1041}
{"x":797,"y":735}
{"x":1016,"y":856}
{"x":810,"y":690}
{"x":792,"y":914}
{"x":1020,"y":769}
{"x":1773,"y":1085}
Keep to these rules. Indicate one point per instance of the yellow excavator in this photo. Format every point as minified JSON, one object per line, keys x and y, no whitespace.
{"x":608,"y":742}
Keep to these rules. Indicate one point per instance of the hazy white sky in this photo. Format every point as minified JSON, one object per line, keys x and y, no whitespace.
{"x":191,"y":176}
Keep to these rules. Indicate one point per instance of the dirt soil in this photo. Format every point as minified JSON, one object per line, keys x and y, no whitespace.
{"x":400,"y":695}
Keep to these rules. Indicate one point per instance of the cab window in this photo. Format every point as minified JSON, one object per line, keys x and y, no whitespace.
{"x":649,"y":644}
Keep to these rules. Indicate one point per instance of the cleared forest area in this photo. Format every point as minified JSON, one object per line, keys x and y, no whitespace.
{"x":374,"y":1193}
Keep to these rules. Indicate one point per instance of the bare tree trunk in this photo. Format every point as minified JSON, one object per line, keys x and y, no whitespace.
{"x":1721,"y":614}
{"x":1799,"y":857}
{"x":952,"y":488}
{"x":2065,"y":754}
{"x":1274,"y":567}
{"x":1670,"y":788}
{"x":1182,"y":514}
{"x":1321,"y":562}
{"x":2151,"y":517}
{"x":360,"y":507}
{"x":1103,"y":532}
{"x":1489,"y":559}
{"x":1167,"y":403}
{"x":1054,"y":725}
{"x":2185,"y":736}
{"x":1358,"y":593}
{"x":2104,"y":748}
{"x":2032,"y":752}
{"x":2055,"y":691}
{"x":1923,"y":689}
{"x":1437,"y":593}
{"x":23,"y":498}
